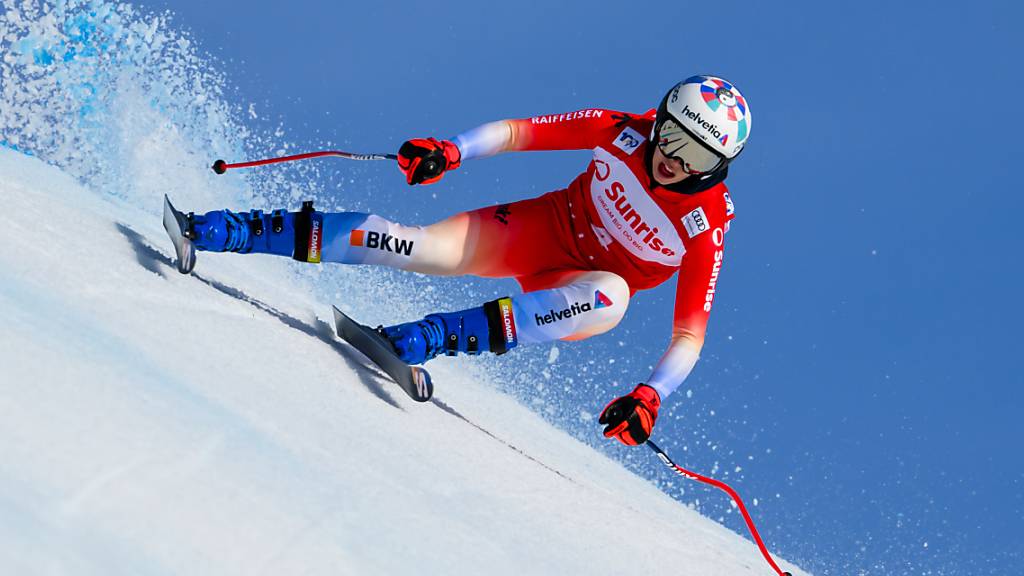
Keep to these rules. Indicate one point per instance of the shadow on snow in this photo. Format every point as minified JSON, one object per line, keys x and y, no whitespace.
{"x":159,"y":263}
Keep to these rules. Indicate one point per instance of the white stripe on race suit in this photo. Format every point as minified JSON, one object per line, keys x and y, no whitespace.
{"x":630,"y":215}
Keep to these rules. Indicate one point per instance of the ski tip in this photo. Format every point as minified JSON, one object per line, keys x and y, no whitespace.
{"x":174,"y":225}
{"x":338,"y":315}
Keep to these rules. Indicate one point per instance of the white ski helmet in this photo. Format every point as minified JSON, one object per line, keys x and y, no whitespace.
{"x":708,"y":111}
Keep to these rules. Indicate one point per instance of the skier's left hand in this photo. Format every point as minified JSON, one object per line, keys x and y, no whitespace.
{"x":630,"y":418}
{"x":425,"y":160}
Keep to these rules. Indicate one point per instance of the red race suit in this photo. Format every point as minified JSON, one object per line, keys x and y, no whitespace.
{"x":614,"y":217}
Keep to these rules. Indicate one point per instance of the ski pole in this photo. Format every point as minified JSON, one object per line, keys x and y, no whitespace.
{"x":221,"y":166}
{"x":728,"y":490}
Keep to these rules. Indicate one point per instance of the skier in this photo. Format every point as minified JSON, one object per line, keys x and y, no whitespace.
{"x":651,"y":203}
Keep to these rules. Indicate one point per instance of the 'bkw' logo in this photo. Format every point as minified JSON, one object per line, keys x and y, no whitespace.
{"x":380,"y":241}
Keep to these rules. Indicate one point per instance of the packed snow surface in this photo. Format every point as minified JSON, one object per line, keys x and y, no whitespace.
{"x":157,"y":423}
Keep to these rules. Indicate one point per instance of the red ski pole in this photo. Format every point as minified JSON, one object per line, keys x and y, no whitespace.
{"x":728,"y":490}
{"x":221,"y":166}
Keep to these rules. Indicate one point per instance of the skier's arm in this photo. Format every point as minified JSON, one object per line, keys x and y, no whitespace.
{"x":579,"y":130}
{"x":630,"y":418}
{"x":695,"y":291}
{"x":425,"y":160}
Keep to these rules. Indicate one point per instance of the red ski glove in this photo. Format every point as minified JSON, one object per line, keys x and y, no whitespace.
{"x":425,"y":160}
{"x":630,"y":418}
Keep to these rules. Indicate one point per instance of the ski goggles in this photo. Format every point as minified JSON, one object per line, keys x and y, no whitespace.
{"x":674,"y":141}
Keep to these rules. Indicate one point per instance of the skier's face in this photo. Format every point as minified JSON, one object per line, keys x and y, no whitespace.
{"x":666,"y":170}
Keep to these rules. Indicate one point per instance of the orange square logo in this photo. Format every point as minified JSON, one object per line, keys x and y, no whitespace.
{"x":357,"y":237}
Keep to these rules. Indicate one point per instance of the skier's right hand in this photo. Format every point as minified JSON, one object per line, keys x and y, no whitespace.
{"x":425,"y":160}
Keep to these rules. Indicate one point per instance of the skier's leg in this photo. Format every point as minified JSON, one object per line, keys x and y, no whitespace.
{"x":578,"y":306}
{"x":515,"y":239}
{"x":343,"y":237}
{"x":585,"y":304}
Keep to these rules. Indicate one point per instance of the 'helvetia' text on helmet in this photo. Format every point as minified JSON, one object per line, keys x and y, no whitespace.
{"x":711,"y":109}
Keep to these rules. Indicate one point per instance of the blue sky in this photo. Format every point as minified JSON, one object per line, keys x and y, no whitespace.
{"x":863,"y":345}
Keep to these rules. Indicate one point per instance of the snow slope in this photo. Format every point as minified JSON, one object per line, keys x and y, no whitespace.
{"x":212,"y":424}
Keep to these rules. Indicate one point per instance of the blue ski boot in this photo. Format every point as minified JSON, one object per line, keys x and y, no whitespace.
{"x":243,"y":232}
{"x":487,"y":328}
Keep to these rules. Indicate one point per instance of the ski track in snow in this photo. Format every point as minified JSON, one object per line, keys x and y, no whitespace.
{"x":157,"y":423}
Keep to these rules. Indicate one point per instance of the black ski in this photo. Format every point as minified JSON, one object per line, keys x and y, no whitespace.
{"x":415,"y":381}
{"x":176,"y":225}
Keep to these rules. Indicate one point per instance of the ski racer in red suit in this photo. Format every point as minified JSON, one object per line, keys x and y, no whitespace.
{"x":652,"y":203}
